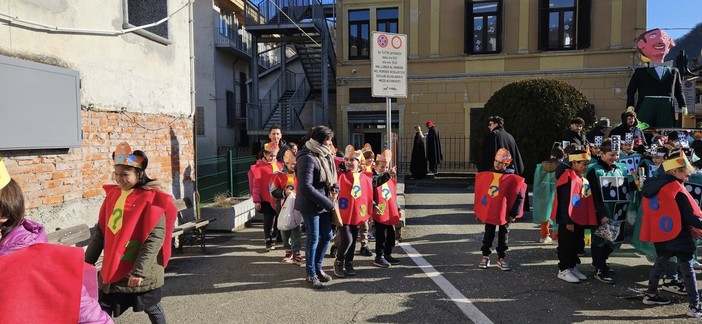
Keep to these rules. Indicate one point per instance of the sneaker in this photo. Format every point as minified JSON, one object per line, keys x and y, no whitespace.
{"x":694,"y":311}
{"x":323,"y":277}
{"x":339,"y":269}
{"x":568,"y":276}
{"x":371,"y":237}
{"x":604,"y":276}
{"x":316,"y":283}
{"x":332,"y":251}
{"x":392,"y":260}
{"x":675,"y":287}
{"x":365,"y":251}
{"x":299,"y":260}
{"x":288,"y":257}
{"x":655,"y":300}
{"x":381,"y":262}
{"x":503,"y":265}
{"x":575,"y":272}
{"x":269,"y":246}
{"x":484,"y":262}
{"x":272,"y":245}
{"x":546,"y":240}
{"x":348,"y":268}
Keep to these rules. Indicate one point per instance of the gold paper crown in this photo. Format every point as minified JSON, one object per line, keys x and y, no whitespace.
{"x":678,"y":162}
{"x":4,"y":175}
{"x":289,"y":157}
{"x":503,"y":156}
{"x":270,"y":147}
{"x":124,"y":156}
{"x":367,"y":148}
{"x":352,"y":153}
{"x":580,"y":156}
{"x":384,"y":157}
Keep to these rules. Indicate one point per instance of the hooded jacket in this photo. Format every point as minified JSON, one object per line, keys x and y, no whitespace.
{"x":29,"y":233}
{"x":624,"y":128}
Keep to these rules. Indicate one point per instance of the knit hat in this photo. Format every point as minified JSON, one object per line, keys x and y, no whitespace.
{"x":604,"y":123}
{"x":503,"y":156}
{"x":430,"y":123}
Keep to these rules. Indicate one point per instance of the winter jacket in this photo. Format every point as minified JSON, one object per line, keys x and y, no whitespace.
{"x":683,"y":243}
{"x":575,"y":138}
{"x":312,"y":194}
{"x":29,"y":233}
{"x":495,"y":140}
{"x":624,"y":128}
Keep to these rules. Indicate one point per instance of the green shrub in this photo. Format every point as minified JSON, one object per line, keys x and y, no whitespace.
{"x":536,"y":112}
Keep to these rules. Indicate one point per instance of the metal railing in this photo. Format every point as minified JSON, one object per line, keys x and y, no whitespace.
{"x":223,"y":174}
{"x":454,"y":149}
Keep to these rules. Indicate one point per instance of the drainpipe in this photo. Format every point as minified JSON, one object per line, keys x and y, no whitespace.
{"x":191,"y":45}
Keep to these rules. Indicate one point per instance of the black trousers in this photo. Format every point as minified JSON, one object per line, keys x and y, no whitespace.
{"x":502,"y":238}
{"x":269,"y":220}
{"x":347,"y":246}
{"x":384,"y":239}
{"x":569,"y":245}
{"x":600,"y":254}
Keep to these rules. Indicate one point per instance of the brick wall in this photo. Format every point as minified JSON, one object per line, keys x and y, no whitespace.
{"x":65,"y":186}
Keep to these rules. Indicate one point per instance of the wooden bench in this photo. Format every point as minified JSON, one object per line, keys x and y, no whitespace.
{"x":190,"y":229}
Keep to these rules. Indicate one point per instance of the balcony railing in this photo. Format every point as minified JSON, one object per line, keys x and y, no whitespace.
{"x":236,"y":38}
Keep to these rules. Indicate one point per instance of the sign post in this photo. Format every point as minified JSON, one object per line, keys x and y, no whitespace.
{"x":388,"y":72}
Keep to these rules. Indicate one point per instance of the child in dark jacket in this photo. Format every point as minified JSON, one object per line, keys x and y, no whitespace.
{"x":672,"y":220}
{"x":386,"y":213}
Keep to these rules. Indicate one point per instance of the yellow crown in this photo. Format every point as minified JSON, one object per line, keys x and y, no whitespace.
{"x":386,"y":156}
{"x":4,"y":175}
{"x":352,"y":153}
{"x":678,"y":162}
{"x":580,"y":156}
{"x":289,"y":157}
{"x":270,"y":147}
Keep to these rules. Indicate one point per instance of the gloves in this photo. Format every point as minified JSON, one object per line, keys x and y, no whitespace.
{"x":684,"y":111}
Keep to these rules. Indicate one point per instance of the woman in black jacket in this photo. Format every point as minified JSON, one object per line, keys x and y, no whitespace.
{"x":418,"y":164}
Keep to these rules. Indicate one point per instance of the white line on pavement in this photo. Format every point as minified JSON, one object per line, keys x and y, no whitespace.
{"x":465,"y":305}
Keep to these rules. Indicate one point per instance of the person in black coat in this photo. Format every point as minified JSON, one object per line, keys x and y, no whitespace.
{"x":434,"y":154}
{"x":418,"y":164}
{"x":499,"y":138}
{"x":574,"y":134}
{"x":629,"y":125}
{"x":598,"y":130}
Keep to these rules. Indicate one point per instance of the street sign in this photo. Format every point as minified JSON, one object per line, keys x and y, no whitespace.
{"x":690,"y":93}
{"x":389,"y":65}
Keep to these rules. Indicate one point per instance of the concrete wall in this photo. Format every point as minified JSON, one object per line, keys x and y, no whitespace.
{"x":204,"y":14}
{"x":133,"y":89}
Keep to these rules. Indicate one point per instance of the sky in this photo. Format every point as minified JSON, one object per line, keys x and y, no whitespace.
{"x":673,"y":15}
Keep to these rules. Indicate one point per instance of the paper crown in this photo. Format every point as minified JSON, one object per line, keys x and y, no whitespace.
{"x":4,"y":175}
{"x":270,"y":147}
{"x":384,"y":157}
{"x":616,"y":143}
{"x":598,"y":141}
{"x":585,"y":156}
{"x":503,"y":156}
{"x":629,"y":138}
{"x":367,"y":148}
{"x":289,"y":157}
{"x":352,"y":153}
{"x":677,"y":162}
{"x":124,"y":156}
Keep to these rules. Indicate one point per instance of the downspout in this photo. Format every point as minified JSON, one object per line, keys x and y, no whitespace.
{"x":191,"y":45}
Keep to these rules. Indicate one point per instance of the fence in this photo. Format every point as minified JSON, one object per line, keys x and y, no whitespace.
{"x":453,"y":147}
{"x":223,"y":174}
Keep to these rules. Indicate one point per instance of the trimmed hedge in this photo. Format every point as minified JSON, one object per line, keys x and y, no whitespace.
{"x":536,"y":112}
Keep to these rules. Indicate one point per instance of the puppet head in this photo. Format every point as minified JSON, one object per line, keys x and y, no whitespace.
{"x":654,"y":45}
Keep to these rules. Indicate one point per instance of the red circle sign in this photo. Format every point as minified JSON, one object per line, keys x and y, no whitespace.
{"x":382,"y":41}
{"x":396,"y":42}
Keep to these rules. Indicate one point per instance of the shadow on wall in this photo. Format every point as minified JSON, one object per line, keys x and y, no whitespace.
{"x":175,"y":165}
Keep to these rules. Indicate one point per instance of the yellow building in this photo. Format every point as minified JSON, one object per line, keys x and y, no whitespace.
{"x":460,"y":52}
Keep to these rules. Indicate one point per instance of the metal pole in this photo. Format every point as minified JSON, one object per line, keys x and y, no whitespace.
{"x":388,"y":120}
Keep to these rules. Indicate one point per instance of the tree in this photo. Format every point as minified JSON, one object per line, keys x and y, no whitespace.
{"x":536,"y":113}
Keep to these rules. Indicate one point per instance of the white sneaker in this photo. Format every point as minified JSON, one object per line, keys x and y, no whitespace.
{"x":546,"y":240}
{"x":574,"y":271}
{"x":567,"y":276}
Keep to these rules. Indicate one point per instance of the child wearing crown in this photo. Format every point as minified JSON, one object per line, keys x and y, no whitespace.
{"x":386,"y":213}
{"x":672,"y":220}
{"x":364,"y":233}
{"x":499,"y":197}
{"x":573,"y":209}
{"x":134,"y":230}
{"x":283,"y":188}
{"x":355,"y":201}
{"x":260,"y":176}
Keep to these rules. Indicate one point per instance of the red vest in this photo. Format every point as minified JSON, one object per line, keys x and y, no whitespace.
{"x":582,"y":205}
{"x":386,"y":198}
{"x":263,"y":174}
{"x":41,"y":284}
{"x":495,"y":194}
{"x":355,"y":210}
{"x":661,"y":217}
{"x":282,"y":180}
{"x":142,"y":210}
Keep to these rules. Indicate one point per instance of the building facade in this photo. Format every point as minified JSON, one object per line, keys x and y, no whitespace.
{"x":460,"y":52}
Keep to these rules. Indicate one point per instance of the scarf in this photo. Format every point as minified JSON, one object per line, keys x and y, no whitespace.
{"x":326,"y":161}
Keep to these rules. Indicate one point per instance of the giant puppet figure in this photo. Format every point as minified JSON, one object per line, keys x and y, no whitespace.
{"x":657,"y":84}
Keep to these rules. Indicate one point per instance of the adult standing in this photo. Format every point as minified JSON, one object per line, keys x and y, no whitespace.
{"x":499,"y":138}
{"x":598,"y":130}
{"x":574,"y":134}
{"x":275,"y":134}
{"x":434,"y":154}
{"x":317,"y":194}
{"x":418,"y":164}
{"x":630,"y":124}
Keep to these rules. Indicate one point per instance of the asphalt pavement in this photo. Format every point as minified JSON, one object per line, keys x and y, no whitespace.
{"x":438,"y":281}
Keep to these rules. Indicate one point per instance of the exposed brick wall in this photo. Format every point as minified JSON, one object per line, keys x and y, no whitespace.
{"x":55,"y":177}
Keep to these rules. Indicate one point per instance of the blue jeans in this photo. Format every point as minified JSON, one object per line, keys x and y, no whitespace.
{"x":319,"y":233}
{"x":684,"y":268}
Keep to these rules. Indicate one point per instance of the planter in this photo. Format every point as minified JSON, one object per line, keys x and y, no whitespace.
{"x":229,"y":218}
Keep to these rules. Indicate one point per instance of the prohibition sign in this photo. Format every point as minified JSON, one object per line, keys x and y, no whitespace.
{"x":383,"y":41}
{"x":396,"y":42}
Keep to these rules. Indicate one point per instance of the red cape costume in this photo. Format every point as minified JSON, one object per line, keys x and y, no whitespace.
{"x":495,"y":194}
{"x":262,"y":174}
{"x":582,"y":205}
{"x":661,"y":217}
{"x":123,"y":240}
{"x":42,"y":284}
{"x":355,"y":211}
{"x":386,"y":198}
{"x":282,"y":180}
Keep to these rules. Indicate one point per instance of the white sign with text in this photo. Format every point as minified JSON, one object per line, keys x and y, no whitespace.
{"x":389,"y":65}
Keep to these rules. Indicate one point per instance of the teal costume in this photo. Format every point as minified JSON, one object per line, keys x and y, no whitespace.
{"x":616,"y":216}
{"x":544,"y":191}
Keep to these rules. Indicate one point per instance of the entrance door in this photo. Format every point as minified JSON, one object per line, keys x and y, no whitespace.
{"x":375,"y":140}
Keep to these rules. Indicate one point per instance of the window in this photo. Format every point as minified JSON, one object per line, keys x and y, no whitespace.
{"x":364,"y":95}
{"x":564,"y":24}
{"x":359,"y":35}
{"x":387,"y":20}
{"x":483,"y":27}
{"x":143,"y":12}
{"x":231,"y":109}
{"x":243,"y":95}
{"x":200,"y":121}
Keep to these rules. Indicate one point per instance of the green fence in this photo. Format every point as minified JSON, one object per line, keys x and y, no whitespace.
{"x":223,"y":174}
